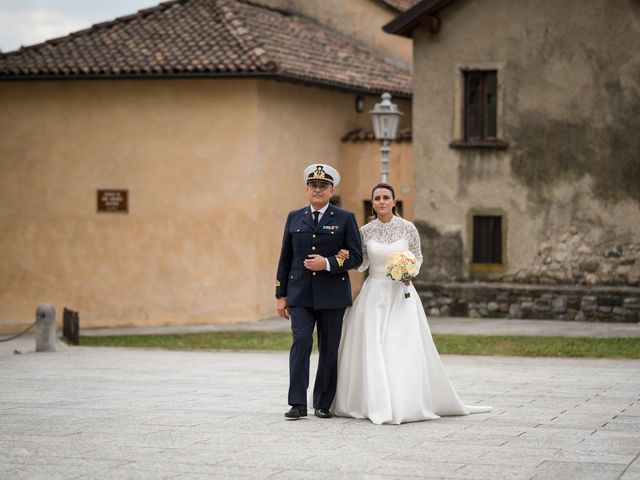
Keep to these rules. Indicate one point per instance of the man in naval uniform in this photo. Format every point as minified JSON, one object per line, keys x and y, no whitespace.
{"x":313,"y":288}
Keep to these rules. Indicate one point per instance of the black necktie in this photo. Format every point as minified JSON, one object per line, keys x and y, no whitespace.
{"x":316,"y":214}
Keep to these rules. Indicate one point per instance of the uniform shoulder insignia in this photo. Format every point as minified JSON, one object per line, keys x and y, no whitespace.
{"x":277,"y":283}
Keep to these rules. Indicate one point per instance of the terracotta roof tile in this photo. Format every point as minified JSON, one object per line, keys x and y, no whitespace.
{"x":211,"y":37}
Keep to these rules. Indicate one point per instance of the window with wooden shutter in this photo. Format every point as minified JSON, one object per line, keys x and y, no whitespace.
{"x":480,"y":105}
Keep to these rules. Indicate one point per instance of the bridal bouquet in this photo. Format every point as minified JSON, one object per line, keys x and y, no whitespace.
{"x":401,"y":266}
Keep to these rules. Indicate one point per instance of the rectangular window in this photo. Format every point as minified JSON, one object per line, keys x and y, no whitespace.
{"x":487,"y":239}
{"x":480,"y":105}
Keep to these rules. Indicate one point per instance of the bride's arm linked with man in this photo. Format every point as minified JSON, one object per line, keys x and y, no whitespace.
{"x":377,"y":359}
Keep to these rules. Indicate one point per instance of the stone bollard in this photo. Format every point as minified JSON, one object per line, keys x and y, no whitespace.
{"x":46,"y":335}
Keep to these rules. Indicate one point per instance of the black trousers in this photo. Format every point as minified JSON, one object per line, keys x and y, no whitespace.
{"x":329,"y":326}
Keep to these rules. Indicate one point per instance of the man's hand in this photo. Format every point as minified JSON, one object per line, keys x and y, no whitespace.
{"x":315,"y":263}
{"x":281,"y":306}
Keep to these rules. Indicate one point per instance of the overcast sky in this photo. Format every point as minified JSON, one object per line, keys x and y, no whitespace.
{"x":25,"y":22}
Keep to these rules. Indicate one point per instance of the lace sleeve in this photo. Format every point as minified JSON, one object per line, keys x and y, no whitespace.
{"x":414,"y":244}
{"x":365,"y":257}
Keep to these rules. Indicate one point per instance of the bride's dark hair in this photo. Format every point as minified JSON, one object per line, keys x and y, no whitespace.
{"x":393,"y":195}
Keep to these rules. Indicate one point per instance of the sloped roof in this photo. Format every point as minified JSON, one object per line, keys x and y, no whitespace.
{"x":404,"y":23}
{"x":210,"y":38}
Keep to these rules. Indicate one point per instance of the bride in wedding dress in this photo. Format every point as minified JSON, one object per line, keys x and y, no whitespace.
{"x":389,"y":370}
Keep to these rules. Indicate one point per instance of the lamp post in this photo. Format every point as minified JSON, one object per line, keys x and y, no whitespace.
{"x":385,"y":117}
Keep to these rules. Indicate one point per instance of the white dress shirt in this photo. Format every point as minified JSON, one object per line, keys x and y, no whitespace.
{"x":327,"y":267}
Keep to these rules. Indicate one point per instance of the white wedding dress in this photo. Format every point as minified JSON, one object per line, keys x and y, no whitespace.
{"x":389,"y":370}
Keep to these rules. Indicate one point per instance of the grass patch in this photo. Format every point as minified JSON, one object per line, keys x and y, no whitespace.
{"x":448,"y":344}
{"x":516,"y":346}
{"x":278,"y":341}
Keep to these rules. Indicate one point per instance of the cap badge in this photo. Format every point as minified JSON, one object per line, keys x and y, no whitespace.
{"x":319,"y":174}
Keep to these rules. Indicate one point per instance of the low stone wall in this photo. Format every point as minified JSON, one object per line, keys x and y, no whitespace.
{"x":511,"y":300}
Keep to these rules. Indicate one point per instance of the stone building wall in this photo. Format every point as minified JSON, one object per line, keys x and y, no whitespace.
{"x":566,"y":180}
{"x":570,"y":259}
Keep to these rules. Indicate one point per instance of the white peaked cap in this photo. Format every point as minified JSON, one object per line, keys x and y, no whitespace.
{"x":320,"y":171}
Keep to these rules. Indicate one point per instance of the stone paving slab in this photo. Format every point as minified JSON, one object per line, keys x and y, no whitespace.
{"x":148,"y":414}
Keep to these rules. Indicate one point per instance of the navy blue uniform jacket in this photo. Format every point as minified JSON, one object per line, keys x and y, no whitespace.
{"x":324,"y":289}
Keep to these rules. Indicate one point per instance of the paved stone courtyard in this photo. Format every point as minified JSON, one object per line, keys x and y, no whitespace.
{"x":124,"y":413}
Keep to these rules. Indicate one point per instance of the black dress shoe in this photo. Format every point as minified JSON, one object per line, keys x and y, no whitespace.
{"x":296,"y":411}
{"x":322,"y":413}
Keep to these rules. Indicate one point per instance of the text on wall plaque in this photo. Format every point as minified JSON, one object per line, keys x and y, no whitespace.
{"x":113,"y":201}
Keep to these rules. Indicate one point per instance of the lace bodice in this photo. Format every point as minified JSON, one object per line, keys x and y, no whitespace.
{"x":379,"y":240}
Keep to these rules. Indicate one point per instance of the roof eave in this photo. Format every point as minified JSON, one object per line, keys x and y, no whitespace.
{"x":404,"y":24}
{"x":190,"y":75}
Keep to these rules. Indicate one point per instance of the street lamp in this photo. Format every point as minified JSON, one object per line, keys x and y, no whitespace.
{"x":385,"y":117}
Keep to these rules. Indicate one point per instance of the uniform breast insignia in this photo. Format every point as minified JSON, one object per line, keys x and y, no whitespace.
{"x":331,"y":227}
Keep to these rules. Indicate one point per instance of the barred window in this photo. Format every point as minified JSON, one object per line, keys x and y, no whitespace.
{"x":487,"y":239}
